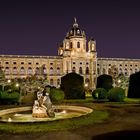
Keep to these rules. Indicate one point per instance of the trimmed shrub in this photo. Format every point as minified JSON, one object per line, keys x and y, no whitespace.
{"x":99,"y":93}
{"x":73,"y":86}
{"x":104,"y":81}
{"x":56,"y":95}
{"x":9,"y":98}
{"x":116,"y":94}
{"x":134,"y":86}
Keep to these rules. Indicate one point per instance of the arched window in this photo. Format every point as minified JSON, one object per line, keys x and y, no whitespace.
{"x":73,"y":69}
{"x":125,"y":71}
{"x":51,"y":70}
{"x":87,"y":70}
{"x":51,"y":81}
{"x":15,"y":70}
{"x":44,"y":70}
{"x":136,"y":70}
{"x":29,"y":71}
{"x":37,"y":71}
{"x":7,"y":71}
{"x":58,"y":82}
{"x":109,"y":71}
{"x":71,"y":45}
{"x":103,"y":70}
{"x":58,"y":70}
{"x":22,"y":70}
{"x":78,"y":44}
{"x":120,"y":71}
{"x":80,"y":70}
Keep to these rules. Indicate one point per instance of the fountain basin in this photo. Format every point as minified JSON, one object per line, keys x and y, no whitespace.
{"x":24,"y":114}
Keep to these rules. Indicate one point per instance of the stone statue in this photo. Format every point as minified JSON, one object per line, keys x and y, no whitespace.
{"x":43,"y":106}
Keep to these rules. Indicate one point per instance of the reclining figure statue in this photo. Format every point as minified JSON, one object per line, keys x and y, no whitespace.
{"x":43,"y":106}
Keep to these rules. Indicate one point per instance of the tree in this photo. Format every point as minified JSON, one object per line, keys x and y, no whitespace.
{"x":73,"y":86}
{"x":122,"y":81}
{"x":113,"y":71}
{"x":134,"y":86}
{"x":104,"y":81}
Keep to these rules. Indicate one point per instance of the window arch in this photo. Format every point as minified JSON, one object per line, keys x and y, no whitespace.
{"x":58,"y":70}
{"x":37,"y":70}
{"x":15,"y":70}
{"x":87,"y":70}
{"x":80,"y":70}
{"x":78,"y":44}
{"x":29,"y":71}
{"x":51,"y":70}
{"x":109,"y":71}
{"x":22,"y":70}
{"x":7,"y":70}
{"x":51,"y":81}
{"x":74,"y":69}
{"x":103,"y":70}
{"x":58,"y":82}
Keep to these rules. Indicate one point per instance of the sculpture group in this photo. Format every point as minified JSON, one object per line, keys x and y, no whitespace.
{"x":43,"y":106}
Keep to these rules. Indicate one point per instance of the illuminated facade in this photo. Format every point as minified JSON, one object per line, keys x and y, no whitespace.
{"x":73,"y":56}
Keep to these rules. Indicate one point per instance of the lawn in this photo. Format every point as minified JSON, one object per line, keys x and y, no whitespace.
{"x":97,"y":116}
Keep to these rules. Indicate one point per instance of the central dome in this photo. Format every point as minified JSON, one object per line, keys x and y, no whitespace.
{"x":75,"y":31}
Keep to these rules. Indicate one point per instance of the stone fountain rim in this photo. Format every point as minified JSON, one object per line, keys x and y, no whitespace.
{"x":85,"y":110}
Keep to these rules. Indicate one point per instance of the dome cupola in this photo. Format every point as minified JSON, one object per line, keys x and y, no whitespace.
{"x":75,"y":31}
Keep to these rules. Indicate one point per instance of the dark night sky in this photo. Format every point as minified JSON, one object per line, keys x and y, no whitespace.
{"x":39,"y":27}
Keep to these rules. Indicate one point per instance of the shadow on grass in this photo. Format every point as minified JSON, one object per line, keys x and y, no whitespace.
{"x":119,"y":135}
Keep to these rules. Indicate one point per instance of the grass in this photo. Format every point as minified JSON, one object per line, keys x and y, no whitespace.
{"x":97,"y":116}
{"x":132,"y":100}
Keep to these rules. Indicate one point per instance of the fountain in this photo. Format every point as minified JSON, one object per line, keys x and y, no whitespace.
{"x":42,"y":110}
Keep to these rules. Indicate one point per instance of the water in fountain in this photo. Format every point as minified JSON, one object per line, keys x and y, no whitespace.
{"x":42,"y":106}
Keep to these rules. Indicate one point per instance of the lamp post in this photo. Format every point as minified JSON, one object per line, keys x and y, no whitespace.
{"x":17,"y":85}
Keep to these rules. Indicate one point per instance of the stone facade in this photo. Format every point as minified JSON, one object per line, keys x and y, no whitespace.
{"x":73,"y":56}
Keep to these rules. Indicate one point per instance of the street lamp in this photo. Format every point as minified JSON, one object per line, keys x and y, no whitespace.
{"x":9,"y":81}
{"x":119,"y":81}
{"x":86,"y":84}
{"x":18,"y":86}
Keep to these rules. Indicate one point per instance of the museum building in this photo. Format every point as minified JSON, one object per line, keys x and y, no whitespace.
{"x":73,"y":56}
